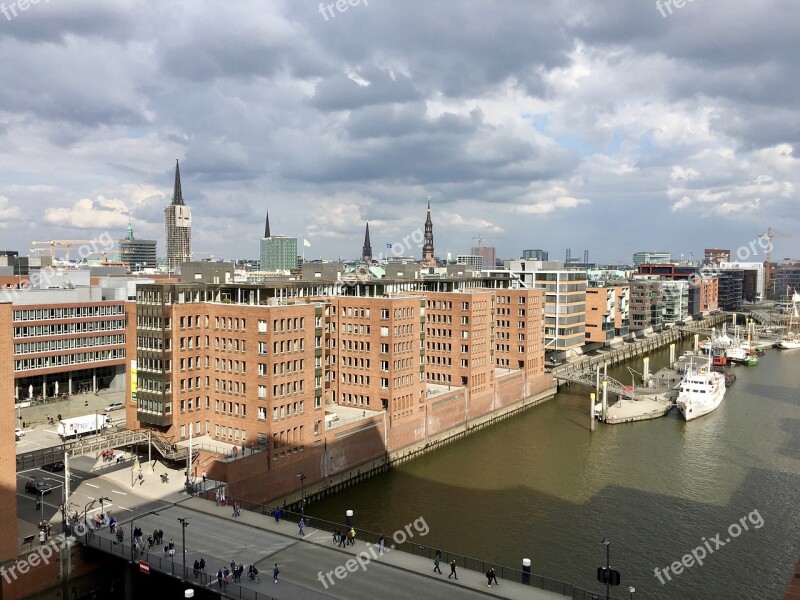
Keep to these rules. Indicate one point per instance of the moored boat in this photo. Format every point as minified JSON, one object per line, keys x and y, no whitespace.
{"x":700,"y":393}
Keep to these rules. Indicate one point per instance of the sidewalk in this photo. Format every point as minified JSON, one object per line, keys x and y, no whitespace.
{"x":71,"y":406}
{"x":151,"y":486}
{"x":419,"y":568}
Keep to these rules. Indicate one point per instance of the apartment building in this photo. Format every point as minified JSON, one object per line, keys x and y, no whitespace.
{"x":458,"y":344}
{"x":675,"y":301}
{"x":607,"y":313}
{"x":646,"y":304}
{"x":375,"y":355}
{"x":232,"y":369}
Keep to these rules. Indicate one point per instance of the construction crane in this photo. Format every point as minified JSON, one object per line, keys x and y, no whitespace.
{"x":771,"y":233}
{"x":480,"y":239}
{"x":67,"y":244}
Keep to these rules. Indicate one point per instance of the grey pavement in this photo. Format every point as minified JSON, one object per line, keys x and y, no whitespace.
{"x":216,"y":535}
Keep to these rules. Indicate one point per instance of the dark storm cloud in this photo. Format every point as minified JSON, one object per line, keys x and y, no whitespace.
{"x":543,"y":122}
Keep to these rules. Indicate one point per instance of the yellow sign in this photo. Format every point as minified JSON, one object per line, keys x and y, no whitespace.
{"x":134,"y":387}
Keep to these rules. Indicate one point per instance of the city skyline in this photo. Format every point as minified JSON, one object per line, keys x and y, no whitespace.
{"x":614,"y":129}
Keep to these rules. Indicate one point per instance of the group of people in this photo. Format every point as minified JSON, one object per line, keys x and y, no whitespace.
{"x":344,"y":539}
{"x":199,"y":566}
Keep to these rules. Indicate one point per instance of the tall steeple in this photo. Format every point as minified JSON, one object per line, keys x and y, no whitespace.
{"x":266,"y":227}
{"x":427,"y":249}
{"x":177,"y":194}
{"x":366,"y":251}
{"x":129,"y":234}
{"x":177,"y":227}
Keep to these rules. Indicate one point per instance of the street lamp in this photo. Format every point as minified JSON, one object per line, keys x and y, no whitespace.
{"x":607,"y":543}
{"x":152,"y":512}
{"x":184,"y":521}
{"x":302,"y":477}
{"x":631,"y":589}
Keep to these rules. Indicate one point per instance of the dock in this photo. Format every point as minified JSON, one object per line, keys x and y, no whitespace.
{"x":642,"y":409}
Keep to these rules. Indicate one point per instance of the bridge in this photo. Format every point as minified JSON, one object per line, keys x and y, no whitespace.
{"x":108,"y":439}
{"x":312,"y":567}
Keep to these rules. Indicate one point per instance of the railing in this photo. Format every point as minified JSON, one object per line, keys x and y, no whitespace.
{"x":416,"y":549}
{"x":173,"y":567}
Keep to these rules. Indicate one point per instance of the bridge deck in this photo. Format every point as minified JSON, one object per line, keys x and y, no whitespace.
{"x":305,"y":563}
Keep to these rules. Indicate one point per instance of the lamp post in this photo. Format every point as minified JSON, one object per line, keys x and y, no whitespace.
{"x":184,"y":521}
{"x":631,"y":589}
{"x":85,"y":521}
{"x":607,"y":543}
{"x":302,"y":477}
{"x":152,"y":512}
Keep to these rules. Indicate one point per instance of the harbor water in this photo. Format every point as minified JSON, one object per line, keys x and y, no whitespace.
{"x":541,"y":486}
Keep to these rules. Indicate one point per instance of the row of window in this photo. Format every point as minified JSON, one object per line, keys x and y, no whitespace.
{"x":69,"y":344}
{"x":60,"y":360}
{"x":69,"y":328}
{"x":75,"y":312}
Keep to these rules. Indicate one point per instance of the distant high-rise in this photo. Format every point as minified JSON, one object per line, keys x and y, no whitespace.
{"x":651,"y":257}
{"x":535,"y":255}
{"x":366,"y":251}
{"x":278,"y":252}
{"x":137,"y":254}
{"x":489,"y":254}
{"x":177,"y":227}
{"x":428,"y":259}
{"x":714,"y":256}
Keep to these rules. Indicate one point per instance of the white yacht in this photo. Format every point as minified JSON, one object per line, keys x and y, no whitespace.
{"x":701,"y":392}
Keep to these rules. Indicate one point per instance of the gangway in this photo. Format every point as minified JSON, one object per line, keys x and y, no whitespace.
{"x":589,"y":378}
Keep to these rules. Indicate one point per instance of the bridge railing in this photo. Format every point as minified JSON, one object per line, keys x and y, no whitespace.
{"x":173,"y":566}
{"x":411,"y":546}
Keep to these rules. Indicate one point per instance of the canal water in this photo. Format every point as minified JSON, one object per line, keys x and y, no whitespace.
{"x":541,"y":486}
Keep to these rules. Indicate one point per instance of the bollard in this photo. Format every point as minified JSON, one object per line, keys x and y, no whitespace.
{"x":349,"y":515}
{"x":526,"y":571}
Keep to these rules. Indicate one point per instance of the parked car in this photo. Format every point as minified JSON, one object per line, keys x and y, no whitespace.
{"x":18,"y":433}
{"x":54,"y":466}
{"x":114,"y":406}
{"x":37,"y":486}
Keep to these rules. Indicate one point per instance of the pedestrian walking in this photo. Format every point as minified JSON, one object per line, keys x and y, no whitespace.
{"x":42,"y":537}
{"x":452,"y":570}
{"x":335,"y":536}
{"x":382,"y":543}
{"x":225,"y":574}
{"x":196,"y":568}
{"x":491,"y":576}
{"x":204,"y":480}
{"x":436,"y":568}
{"x":219,"y":578}
{"x":275,"y":572}
{"x":277,"y":514}
{"x":235,"y":452}
{"x":352,"y":536}
{"x":301,"y":525}
{"x":202,"y":564}
{"x":343,"y":539}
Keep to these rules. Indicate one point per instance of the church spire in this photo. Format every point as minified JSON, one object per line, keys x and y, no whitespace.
{"x":177,"y":194}
{"x":129,"y":234}
{"x":266,"y":227}
{"x":366,"y":251}
{"x":428,"y":259}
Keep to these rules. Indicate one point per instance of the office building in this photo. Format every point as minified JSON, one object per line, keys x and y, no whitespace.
{"x":651,"y":257}
{"x":541,"y":255}
{"x":137,"y":254}
{"x":278,"y":252}
{"x":489,"y":255}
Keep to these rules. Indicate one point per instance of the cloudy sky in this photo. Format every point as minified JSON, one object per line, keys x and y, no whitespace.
{"x":606,"y":126}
